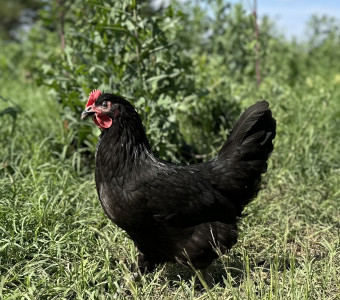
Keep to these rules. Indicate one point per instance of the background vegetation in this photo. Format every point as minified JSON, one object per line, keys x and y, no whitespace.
{"x":189,"y":69}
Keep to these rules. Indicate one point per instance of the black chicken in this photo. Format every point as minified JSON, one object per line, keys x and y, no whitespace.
{"x":175,"y":212}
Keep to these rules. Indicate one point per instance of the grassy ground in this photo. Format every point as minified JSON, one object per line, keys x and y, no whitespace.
{"x":56,"y":243}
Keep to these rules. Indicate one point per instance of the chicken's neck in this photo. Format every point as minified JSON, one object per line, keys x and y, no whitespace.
{"x":122,"y":148}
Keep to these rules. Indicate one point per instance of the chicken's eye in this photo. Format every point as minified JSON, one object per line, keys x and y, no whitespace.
{"x":104,"y":104}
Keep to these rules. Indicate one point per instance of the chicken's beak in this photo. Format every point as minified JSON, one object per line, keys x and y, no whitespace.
{"x":87,"y":112}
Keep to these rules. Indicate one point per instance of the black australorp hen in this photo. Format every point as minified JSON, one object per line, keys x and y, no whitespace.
{"x":174,"y":212}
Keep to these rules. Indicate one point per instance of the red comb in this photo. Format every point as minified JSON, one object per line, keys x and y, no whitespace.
{"x":93,"y":97}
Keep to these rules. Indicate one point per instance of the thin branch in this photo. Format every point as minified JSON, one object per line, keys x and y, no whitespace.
{"x":257,"y":50}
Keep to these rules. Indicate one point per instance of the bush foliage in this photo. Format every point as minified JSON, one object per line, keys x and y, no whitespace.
{"x":180,"y":66}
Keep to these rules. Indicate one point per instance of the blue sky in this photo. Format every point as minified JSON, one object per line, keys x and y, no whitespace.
{"x":290,"y":16}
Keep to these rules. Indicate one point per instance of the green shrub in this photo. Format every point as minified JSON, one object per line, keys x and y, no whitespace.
{"x":183,"y":94}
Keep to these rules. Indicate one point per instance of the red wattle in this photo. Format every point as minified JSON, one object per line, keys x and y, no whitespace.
{"x":102,"y":121}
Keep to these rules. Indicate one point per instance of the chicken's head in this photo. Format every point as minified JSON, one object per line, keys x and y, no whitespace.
{"x":105,"y":108}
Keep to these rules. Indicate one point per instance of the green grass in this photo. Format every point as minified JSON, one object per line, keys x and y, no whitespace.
{"x":56,"y":242}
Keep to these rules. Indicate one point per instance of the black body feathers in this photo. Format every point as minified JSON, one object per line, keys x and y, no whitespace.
{"x":173,"y":212}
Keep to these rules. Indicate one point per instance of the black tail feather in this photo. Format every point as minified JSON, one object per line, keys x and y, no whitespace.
{"x":243,"y":157}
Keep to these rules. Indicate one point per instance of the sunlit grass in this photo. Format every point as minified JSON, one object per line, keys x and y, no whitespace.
{"x":56,"y":242}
